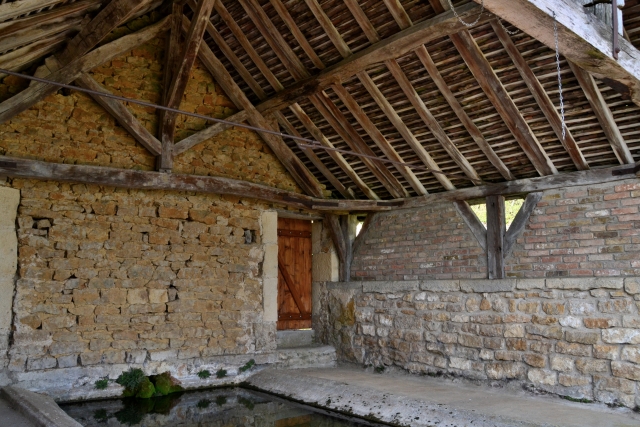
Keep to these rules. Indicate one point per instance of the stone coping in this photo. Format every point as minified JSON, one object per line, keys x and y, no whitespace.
{"x":40,"y":409}
{"x":629,"y":284}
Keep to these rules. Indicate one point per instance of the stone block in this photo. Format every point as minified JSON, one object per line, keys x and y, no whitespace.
{"x":586,"y":283}
{"x":505,"y":370}
{"x":86,"y":296}
{"x":514,"y":331}
{"x":270,"y":299}
{"x":138,"y":296}
{"x":582,"y":337}
{"x":486,"y":286}
{"x":270,"y":264}
{"x":69,"y":361}
{"x":561,"y":363}
{"x":527,"y":284}
{"x":41,"y":363}
{"x":632,"y":285}
{"x":631,"y":354}
{"x":136,"y":356}
{"x":542,"y":377}
{"x":9,"y":201}
{"x":269,"y":222}
{"x":113,"y":296}
{"x":626,"y":370}
{"x":621,"y":336}
{"x":610,"y":352}
{"x":589,"y":366}
{"x":390,"y":286}
{"x":440,"y":285}
{"x":573,"y":380}
{"x":158,"y":296}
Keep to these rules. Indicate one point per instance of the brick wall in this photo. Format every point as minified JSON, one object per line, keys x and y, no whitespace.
{"x":574,"y":232}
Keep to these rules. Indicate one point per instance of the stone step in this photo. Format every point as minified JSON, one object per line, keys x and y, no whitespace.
{"x":295,"y":338}
{"x":318,"y":356}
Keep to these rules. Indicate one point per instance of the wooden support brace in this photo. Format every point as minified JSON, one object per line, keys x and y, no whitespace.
{"x":471,"y":220}
{"x":520,"y":221}
{"x":341,"y":243}
{"x":495,"y":236}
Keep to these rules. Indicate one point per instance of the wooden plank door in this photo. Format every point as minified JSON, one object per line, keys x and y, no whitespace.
{"x":294,"y":274}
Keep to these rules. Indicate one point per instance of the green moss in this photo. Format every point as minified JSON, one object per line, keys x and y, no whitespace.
{"x":379,"y":369}
{"x":246,"y":402}
{"x":203,"y":403}
{"x":596,"y":54}
{"x":573,"y":399}
{"x":221,"y":373}
{"x":166,"y":384}
{"x":146,"y":389}
{"x":131,"y":380}
{"x":250,"y":364}
{"x":102,"y":383}
{"x":204,"y":374}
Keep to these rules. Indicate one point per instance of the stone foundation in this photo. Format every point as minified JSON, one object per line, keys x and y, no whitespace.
{"x":572,"y":337}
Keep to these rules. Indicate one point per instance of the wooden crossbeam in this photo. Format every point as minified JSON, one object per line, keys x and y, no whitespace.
{"x":70,"y":72}
{"x":296,"y":168}
{"x":337,"y":157}
{"x":466,"y":121}
{"x":341,"y":125}
{"x":499,"y":97}
{"x":541,"y":97}
{"x":603,"y":113}
{"x":377,"y":136}
{"x":299,"y":36}
{"x":347,"y":193}
{"x":390,"y":48}
{"x":581,"y":39}
{"x":520,"y":222}
{"x":473,"y":223}
{"x":180,"y":73}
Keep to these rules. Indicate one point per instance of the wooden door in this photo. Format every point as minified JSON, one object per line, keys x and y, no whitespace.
{"x":294,"y":274}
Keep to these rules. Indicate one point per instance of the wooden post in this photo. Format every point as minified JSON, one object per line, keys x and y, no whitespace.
{"x":496,"y":228}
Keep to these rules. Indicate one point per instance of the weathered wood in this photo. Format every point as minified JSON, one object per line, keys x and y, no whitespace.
{"x":361,"y":237}
{"x":30,"y":96}
{"x":375,"y":134}
{"x":341,"y":125}
{"x":173,"y":51}
{"x":431,"y":122}
{"x":499,"y":97}
{"x":453,"y":102}
{"x":135,"y":179}
{"x":581,"y":39}
{"x":21,"y":58}
{"x":208,"y":133}
{"x":248,"y":47}
{"x":541,"y":97}
{"x":55,"y":16}
{"x":603,"y":113}
{"x":520,"y":222}
{"x":337,"y":157}
{"x":122,"y":114}
{"x":495,"y":236}
{"x":31,"y":35}
{"x":293,"y":290}
{"x":362,"y":20}
{"x":348,"y":224}
{"x":296,"y":168}
{"x":12,"y":10}
{"x":473,"y":223}
{"x":299,"y":36}
{"x":390,"y":48}
{"x":332,"y":222}
{"x":398,"y":13}
{"x":180,"y":75}
{"x":109,"y":18}
{"x":273,"y":37}
{"x":347,"y":193}
{"x":329,"y":28}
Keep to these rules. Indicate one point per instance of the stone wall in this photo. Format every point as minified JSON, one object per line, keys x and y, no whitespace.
{"x":574,"y":232}
{"x":573,"y":337}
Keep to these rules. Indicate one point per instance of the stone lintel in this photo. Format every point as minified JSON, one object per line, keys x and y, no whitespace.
{"x":440,"y":285}
{"x":486,"y":285}
{"x":391,"y":286}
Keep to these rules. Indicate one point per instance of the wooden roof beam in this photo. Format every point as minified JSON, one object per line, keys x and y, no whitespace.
{"x":362,"y":20}
{"x":541,"y":97}
{"x":179,"y":66}
{"x":337,"y":157}
{"x":581,"y":39}
{"x":21,"y":58}
{"x":399,"y":14}
{"x":347,"y":192}
{"x":390,"y":48}
{"x":329,"y":28}
{"x":603,"y":113}
{"x":464,"y":118}
{"x":499,"y":97}
{"x":296,"y":168}
{"x":68,"y":73}
{"x":13,"y":10}
{"x":340,"y":124}
{"x":378,"y":138}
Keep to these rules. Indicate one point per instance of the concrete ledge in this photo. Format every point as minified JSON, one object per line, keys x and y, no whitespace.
{"x":482,"y":286}
{"x":38,"y":408}
{"x":391,"y":286}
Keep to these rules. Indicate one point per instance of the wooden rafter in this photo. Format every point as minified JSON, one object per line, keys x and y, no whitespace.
{"x":399,"y":14}
{"x":377,"y":137}
{"x":362,"y":20}
{"x":541,"y":97}
{"x":180,"y":69}
{"x":30,"y":96}
{"x":312,"y":156}
{"x":390,"y":48}
{"x":329,"y":28}
{"x":13,"y":10}
{"x":300,"y":38}
{"x":28,"y":36}
{"x":603,"y":113}
{"x":466,"y":121}
{"x":337,"y":157}
{"x":296,"y":168}
{"x":340,"y":124}
{"x":499,"y":97}
{"x":21,"y":58}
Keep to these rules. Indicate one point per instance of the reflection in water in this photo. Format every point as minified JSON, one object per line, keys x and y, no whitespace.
{"x":211,"y":408}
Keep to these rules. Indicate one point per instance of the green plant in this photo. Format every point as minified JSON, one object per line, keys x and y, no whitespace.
{"x":246,"y":402}
{"x":250,"y":364}
{"x":166,"y":384}
{"x":102,"y":383}
{"x":203,"y":403}
{"x":221,"y":400}
{"x":101,"y":416}
{"x":379,"y":369}
{"x":573,"y":399}
{"x":221,"y":373}
{"x":204,"y":374}
{"x":131,"y":379}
